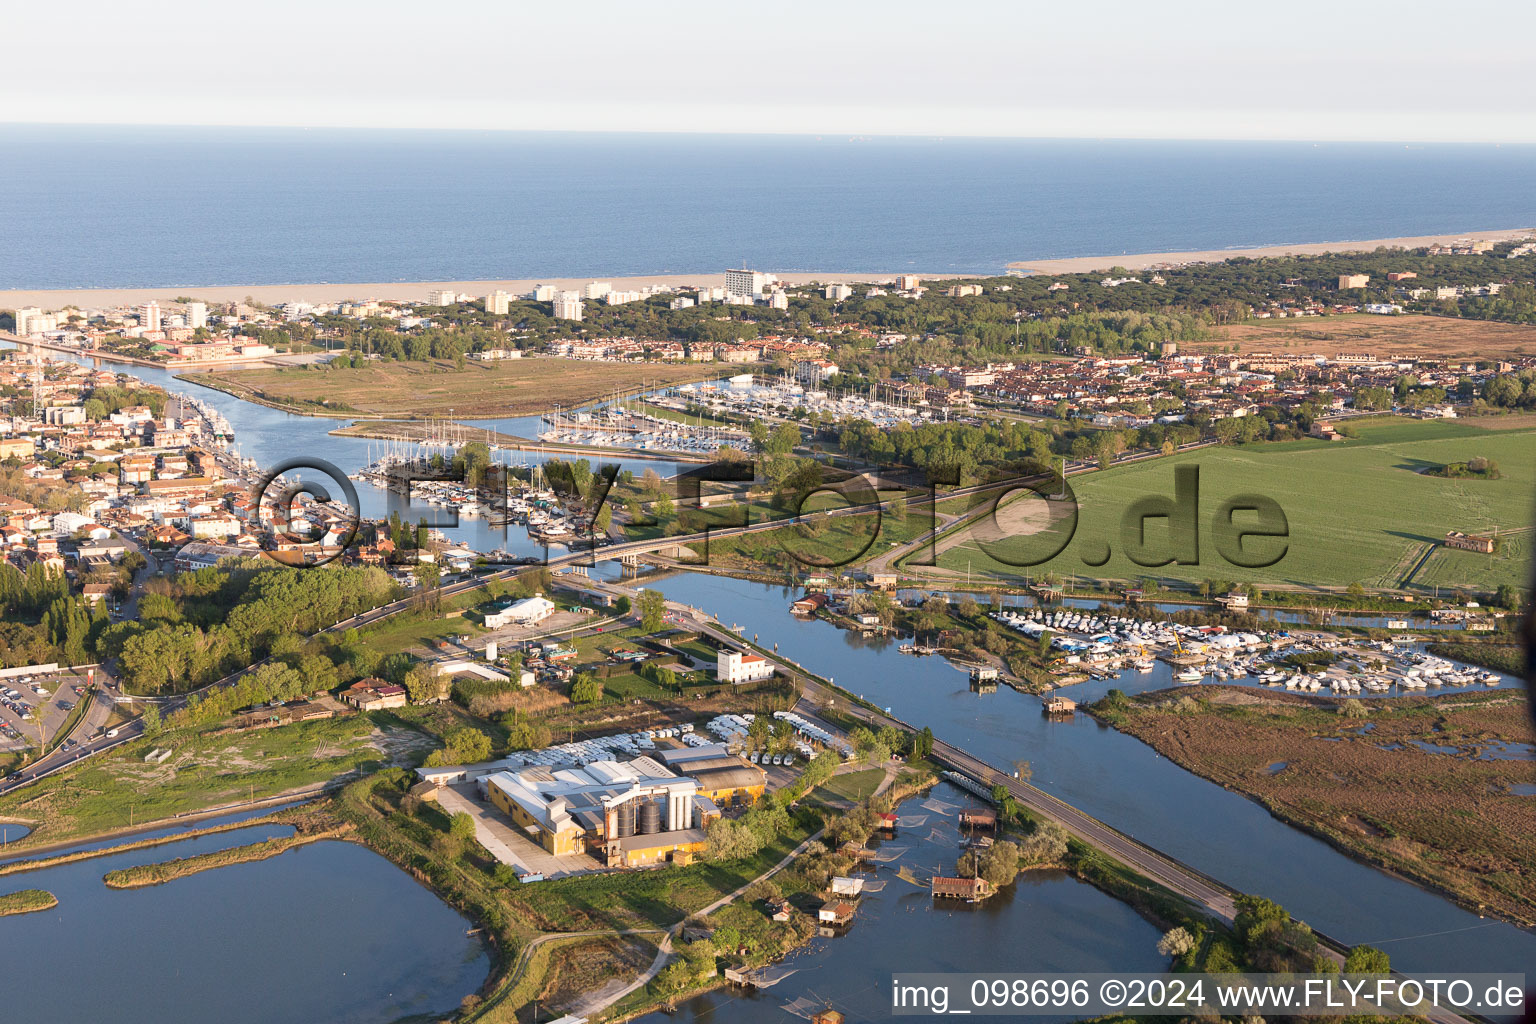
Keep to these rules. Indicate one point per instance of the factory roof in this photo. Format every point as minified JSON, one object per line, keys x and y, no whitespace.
{"x":651,"y":841}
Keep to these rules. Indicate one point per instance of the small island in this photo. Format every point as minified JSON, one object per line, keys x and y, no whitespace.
{"x":27,"y":901}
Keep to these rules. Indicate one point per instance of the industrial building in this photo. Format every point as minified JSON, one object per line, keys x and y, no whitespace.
{"x":526,"y":612}
{"x":626,"y":815}
{"x":722,"y":777}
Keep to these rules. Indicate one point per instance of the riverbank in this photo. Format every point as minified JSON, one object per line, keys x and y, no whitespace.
{"x":42,"y":863}
{"x":1160,"y":260}
{"x":310,"y":828}
{"x":1433,"y":787}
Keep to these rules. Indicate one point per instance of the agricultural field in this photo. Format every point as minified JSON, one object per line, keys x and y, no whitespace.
{"x":1410,"y":334}
{"x":1438,"y":787}
{"x":514,"y":387}
{"x":1358,"y":511}
{"x":818,"y":541}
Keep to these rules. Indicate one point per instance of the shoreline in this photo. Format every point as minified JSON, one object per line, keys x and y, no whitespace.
{"x":1166,"y":260}
{"x":97,"y":298}
{"x":325,"y":291}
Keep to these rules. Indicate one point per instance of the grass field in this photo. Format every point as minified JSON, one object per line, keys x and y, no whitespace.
{"x":1365,"y":332}
{"x":830,"y":543}
{"x":516,"y":387}
{"x":115,"y":790}
{"x":1359,"y":510}
{"x":852,"y":787}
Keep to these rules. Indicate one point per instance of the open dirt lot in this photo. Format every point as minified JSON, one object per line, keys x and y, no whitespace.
{"x":1410,"y":335}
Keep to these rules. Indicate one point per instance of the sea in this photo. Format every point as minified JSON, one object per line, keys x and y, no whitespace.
{"x":91,"y":206}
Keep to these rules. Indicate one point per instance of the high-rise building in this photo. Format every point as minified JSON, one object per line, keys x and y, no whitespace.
{"x":545,"y":292}
{"x":149,"y":316}
{"x":24,"y":318}
{"x":907,"y":282}
{"x":837,"y":292}
{"x":779,"y":299}
{"x":442,"y":297}
{"x":197,"y":315}
{"x":750,"y":283}
{"x":497,"y":303}
{"x":596,"y":289}
{"x":568,"y":306}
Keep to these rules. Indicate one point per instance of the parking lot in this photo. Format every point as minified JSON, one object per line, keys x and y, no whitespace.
{"x":36,"y":706}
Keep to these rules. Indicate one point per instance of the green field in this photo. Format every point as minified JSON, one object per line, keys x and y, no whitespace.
{"x":828,"y":543}
{"x":1359,"y":510}
{"x":119,"y":789}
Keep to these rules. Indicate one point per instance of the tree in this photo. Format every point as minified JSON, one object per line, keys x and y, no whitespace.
{"x":922,"y":743}
{"x":653,"y":610}
{"x":462,"y":746}
{"x":1367,"y":960}
{"x":150,"y":719}
{"x":1176,"y":942}
{"x":462,"y":826}
{"x":421,"y":685}
{"x":586,"y":689}
{"x":999,"y":863}
{"x":1047,"y":844}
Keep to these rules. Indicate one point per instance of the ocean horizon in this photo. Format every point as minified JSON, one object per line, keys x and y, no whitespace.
{"x":131,"y":207}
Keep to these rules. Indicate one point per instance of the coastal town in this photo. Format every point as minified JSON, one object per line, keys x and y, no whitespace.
{"x":534,"y":695}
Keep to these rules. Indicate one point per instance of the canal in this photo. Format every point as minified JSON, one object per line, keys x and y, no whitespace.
{"x":1120,"y":780}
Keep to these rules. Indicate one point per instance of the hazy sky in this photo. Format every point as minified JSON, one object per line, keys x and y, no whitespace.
{"x":1445,"y":71}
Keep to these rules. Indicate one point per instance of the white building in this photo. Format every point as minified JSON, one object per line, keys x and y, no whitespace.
{"x":837,"y":292}
{"x":748,"y":282}
{"x":24,"y":320}
{"x":682,"y":302}
{"x":442,"y":297}
{"x":737,"y":667}
{"x":596,"y":289}
{"x":779,"y":299}
{"x":908,"y":283}
{"x":545,"y":292}
{"x":149,"y":316}
{"x":568,"y":306}
{"x":197,"y":315}
{"x":497,"y":303}
{"x":812,"y":372}
{"x":526,"y":612}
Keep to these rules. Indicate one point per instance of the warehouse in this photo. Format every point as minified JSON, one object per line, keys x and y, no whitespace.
{"x":626,"y":814}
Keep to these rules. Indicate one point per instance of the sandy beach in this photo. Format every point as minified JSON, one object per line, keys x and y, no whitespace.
{"x":1160,"y":260}
{"x":106,"y":298}
{"x":409,"y":291}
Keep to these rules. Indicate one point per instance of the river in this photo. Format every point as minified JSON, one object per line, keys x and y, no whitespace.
{"x":327,"y":932}
{"x":1122,"y":781}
